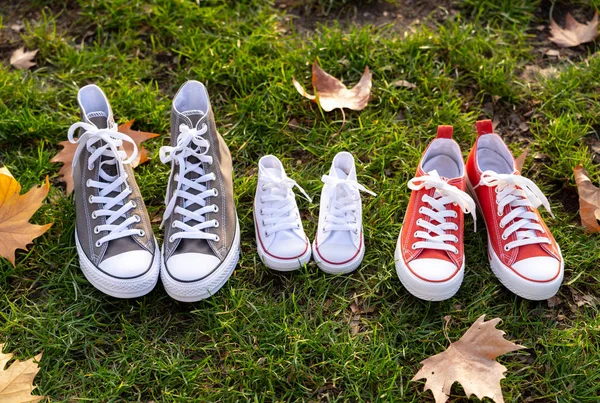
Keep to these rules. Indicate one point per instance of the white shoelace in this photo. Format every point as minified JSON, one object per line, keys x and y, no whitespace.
{"x":107,"y":183}
{"x":179,"y":155}
{"x":341,"y":213}
{"x":435,"y":236}
{"x":518,"y":193}
{"x":280,"y":217}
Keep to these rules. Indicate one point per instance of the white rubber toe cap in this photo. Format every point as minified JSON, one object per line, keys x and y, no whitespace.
{"x":288,"y":249}
{"x":336,"y":253}
{"x":191,"y":266}
{"x":128,"y":264}
{"x":540,"y":268}
{"x":433,"y":269}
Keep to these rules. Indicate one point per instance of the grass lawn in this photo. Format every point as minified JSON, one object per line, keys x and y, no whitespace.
{"x":290,"y":337}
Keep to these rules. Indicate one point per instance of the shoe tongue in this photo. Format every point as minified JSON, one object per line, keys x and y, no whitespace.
{"x":194,"y":115}
{"x":98,"y":119}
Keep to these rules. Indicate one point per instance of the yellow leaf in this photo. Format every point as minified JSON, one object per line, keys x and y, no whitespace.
{"x":471,"y":361}
{"x":15,"y":211}
{"x":16,"y":381}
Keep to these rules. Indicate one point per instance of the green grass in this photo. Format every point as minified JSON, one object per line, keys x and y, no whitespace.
{"x":273,"y":337}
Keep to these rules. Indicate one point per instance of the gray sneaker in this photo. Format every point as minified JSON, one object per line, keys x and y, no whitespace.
{"x":117,"y":249}
{"x":202,"y":233}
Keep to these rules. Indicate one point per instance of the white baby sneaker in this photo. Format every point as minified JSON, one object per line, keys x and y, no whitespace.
{"x":280,"y":239}
{"x":339,"y":245}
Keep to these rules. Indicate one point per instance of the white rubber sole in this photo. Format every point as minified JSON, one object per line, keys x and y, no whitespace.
{"x":531,"y":290}
{"x":117,"y":287}
{"x":198,"y":290}
{"x":339,"y":268}
{"x":426,"y":290}
{"x":283,"y":264}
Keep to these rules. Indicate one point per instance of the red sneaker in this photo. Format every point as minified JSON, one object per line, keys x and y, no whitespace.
{"x":429,"y":253}
{"x":523,"y":253}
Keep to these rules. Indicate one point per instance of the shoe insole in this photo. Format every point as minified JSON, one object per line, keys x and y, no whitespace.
{"x":444,"y":165}
{"x":490,"y":160}
{"x":341,"y":173}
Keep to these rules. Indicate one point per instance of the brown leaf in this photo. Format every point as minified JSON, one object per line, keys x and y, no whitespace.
{"x":589,"y":200}
{"x":405,"y":84}
{"x":139,"y":137}
{"x":331,"y":94}
{"x":23,"y":60}
{"x":66,"y":157}
{"x":574,"y":33}
{"x":533,"y":73}
{"x":66,"y":154}
{"x":15,"y":211}
{"x":16,"y":381}
{"x":471,"y":361}
{"x":520,"y":160}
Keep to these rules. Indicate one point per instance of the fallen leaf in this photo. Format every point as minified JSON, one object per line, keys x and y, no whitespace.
{"x":533,"y":73}
{"x":552,"y":52}
{"x":16,"y":381}
{"x":331,"y":94}
{"x":23,"y":60}
{"x":66,"y":157}
{"x":574,"y":33}
{"x":405,"y":84}
{"x":139,"y":137}
{"x":16,"y":27}
{"x":66,"y":154}
{"x":589,"y":200}
{"x":520,"y":160}
{"x":15,"y":211}
{"x":471,"y":361}
{"x":553,"y":301}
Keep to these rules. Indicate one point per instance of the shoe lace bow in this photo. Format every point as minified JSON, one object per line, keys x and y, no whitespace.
{"x":341,"y":212}
{"x":106,"y":146}
{"x":520,"y":194}
{"x":435,"y":236}
{"x":281,"y":203}
{"x":190,"y":153}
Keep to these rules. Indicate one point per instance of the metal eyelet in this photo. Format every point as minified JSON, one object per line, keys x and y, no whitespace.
{"x":87,"y":183}
{"x":215,"y":192}
{"x":504,"y":237}
{"x":133,"y":203}
{"x":496,"y":190}
{"x":137,"y":218}
{"x":415,"y":234}
{"x":506,"y":248}
{"x":298,"y":225}
{"x":91,"y":199}
{"x":141,"y":232}
{"x":263,"y":188}
{"x":500,"y":213}
{"x":94,"y":216}
{"x":215,"y":208}
{"x":421,"y":210}
{"x":96,"y":230}
{"x":216,"y":224}
{"x":414,"y":246}
{"x":90,"y":167}
{"x":217,"y":238}
{"x":98,"y":244}
{"x":456,"y":251}
{"x":356,"y":231}
{"x":173,"y":225}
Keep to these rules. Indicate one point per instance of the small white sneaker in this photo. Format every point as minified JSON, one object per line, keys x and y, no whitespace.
{"x":280,"y":239}
{"x":339,"y":245}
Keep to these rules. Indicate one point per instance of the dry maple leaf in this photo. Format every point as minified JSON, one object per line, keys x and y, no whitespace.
{"x":66,"y":154}
{"x":574,"y":33}
{"x":22,"y":60}
{"x":589,"y":200}
{"x":138,"y":137}
{"x":471,"y":361}
{"x":331,"y":94}
{"x":16,"y":382}
{"x":15,"y":211}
